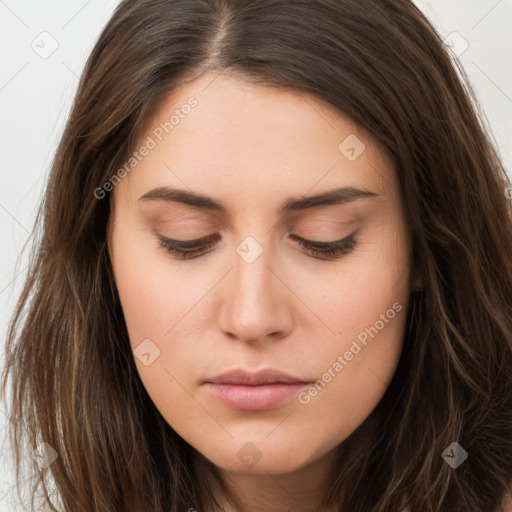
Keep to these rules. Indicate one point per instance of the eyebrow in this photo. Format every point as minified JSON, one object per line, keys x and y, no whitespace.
{"x":336,"y":196}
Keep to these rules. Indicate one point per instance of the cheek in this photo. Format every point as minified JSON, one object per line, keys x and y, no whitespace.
{"x":156,"y":299}
{"x":154,"y":294}
{"x":163,"y":306}
{"x":354,"y":367}
{"x":363,"y":308}
{"x":356,"y":293}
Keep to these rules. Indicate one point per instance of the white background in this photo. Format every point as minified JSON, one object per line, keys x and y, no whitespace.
{"x":36,"y":95}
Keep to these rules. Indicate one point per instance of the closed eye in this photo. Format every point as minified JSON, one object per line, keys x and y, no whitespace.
{"x":191,"y":249}
{"x":334,"y":249}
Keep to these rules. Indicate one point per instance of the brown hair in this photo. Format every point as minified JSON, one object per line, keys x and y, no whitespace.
{"x":74,"y":381}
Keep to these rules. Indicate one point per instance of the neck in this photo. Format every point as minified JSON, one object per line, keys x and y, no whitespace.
{"x":303,"y":489}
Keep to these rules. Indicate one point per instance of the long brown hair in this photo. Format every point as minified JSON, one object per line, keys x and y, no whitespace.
{"x":74,"y":382}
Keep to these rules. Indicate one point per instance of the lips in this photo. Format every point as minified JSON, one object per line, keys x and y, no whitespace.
{"x":265,"y":389}
{"x":267,"y":376}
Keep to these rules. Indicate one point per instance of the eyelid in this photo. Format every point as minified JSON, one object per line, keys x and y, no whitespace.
{"x":208,"y":238}
{"x":188,"y":243}
{"x":188,"y":249}
{"x":328,"y":250}
{"x":321,"y":244}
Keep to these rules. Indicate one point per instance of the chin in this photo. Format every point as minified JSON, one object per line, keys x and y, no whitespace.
{"x":259,"y":457}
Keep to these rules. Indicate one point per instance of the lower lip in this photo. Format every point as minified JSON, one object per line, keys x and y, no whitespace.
{"x":255,"y":398}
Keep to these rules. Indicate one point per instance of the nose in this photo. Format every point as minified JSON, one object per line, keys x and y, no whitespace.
{"x":256,"y":302}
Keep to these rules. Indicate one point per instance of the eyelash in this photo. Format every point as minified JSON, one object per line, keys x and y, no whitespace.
{"x":191,"y":249}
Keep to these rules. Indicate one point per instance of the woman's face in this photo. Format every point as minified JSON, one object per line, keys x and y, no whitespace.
{"x":242,"y":165}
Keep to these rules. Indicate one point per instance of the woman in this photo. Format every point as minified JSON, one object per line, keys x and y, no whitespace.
{"x":343,"y":343}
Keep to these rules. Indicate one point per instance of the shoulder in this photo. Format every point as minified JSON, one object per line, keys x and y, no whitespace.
{"x":506,"y":504}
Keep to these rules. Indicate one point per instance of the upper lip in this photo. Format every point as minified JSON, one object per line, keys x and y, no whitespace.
{"x":266,"y":376}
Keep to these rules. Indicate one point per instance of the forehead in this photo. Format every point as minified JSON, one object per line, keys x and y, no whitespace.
{"x":220,"y":133}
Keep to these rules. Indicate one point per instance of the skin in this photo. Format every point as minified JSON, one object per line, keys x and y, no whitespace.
{"x":286,"y":310}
